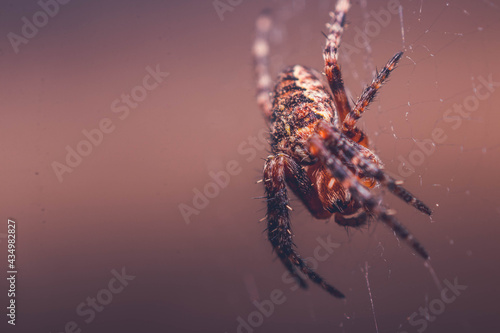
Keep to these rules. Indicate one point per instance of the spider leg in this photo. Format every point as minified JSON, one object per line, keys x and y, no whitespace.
{"x":363,"y":159}
{"x":260,"y":51}
{"x":349,"y":123}
{"x":298,"y":180}
{"x":279,"y":227}
{"x":318,"y":149}
{"x":330,"y":55}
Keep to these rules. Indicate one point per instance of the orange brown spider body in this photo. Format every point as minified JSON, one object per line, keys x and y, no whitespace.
{"x":318,"y":152}
{"x":301,"y":101}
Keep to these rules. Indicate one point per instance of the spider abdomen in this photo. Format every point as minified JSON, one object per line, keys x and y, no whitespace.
{"x":300,"y":102}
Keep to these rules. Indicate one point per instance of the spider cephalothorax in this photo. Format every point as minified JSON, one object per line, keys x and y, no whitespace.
{"x":318,"y":151}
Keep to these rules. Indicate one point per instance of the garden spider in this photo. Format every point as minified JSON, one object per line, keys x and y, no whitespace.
{"x":318,"y":151}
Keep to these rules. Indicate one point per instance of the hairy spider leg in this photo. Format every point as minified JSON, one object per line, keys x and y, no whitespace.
{"x":260,"y":52}
{"x":359,"y":192}
{"x":366,"y":163}
{"x":330,"y":56}
{"x":279,"y":228}
{"x":312,"y":194}
{"x":349,"y":124}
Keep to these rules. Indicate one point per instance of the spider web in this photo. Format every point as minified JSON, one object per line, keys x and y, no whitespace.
{"x":449,"y":54}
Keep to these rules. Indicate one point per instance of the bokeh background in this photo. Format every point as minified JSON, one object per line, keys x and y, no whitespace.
{"x":121,"y":206}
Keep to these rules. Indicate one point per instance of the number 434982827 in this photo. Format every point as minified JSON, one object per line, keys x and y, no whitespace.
{"x":11,"y":244}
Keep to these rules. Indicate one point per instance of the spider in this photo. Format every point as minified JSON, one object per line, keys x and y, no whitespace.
{"x":317,"y":150}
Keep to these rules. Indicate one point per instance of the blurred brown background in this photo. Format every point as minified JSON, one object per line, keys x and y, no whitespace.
{"x":121,"y":206}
